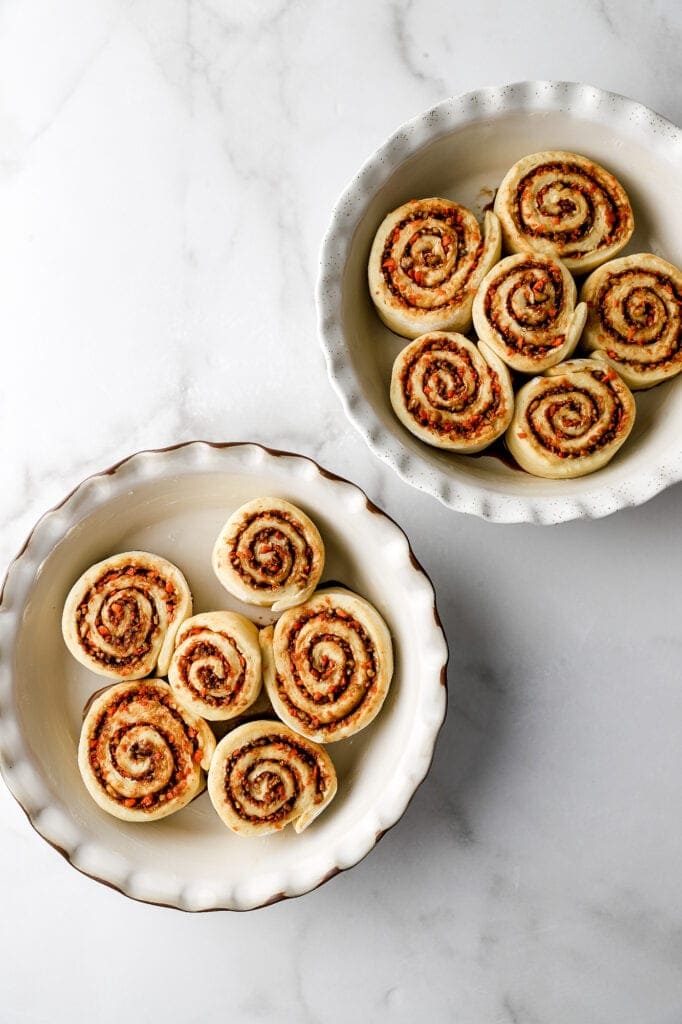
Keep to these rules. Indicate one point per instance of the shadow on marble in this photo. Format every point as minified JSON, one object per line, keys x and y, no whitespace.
{"x":487,"y":676}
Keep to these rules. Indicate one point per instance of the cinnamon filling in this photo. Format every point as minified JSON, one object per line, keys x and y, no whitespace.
{"x":444,"y":402}
{"x":566,"y":399}
{"x":617,"y":212}
{"x":450,"y":233}
{"x":262,"y":562}
{"x":122,"y":608}
{"x":642,"y":309}
{"x":270,"y":782}
{"x":314,"y":683}
{"x":545,"y":296}
{"x":208,"y":678}
{"x":101,"y":759}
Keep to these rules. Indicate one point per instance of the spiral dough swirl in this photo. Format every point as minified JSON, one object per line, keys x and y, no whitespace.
{"x":327,"y":665}
{"x":565,"y":206}
{"x":264,"y":776}
{"x":572,"y":420}
{"x":427,"y":259}
{"x":635,"y":318}
{"x":141,"y":753}
{"x":451,"y":393}
{"x":120,"y":618}
{"x":269,"y":553}
{"x":525,"y":310}
{"x":216,"y":666}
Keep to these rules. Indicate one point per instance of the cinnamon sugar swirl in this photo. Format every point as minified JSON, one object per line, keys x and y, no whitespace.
{"x":264,"y":776}
{"x":269,"y":553}
{"x":426,"y":263}
{"x":565,"y":206}
{"x":572,"y":420}
{"x":120,"y":618}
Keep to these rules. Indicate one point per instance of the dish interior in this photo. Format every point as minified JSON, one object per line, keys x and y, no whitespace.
{"x":467,"y":165}
{"x":179,"y":517}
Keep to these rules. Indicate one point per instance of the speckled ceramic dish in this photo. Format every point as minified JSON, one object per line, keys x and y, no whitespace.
{"x":174,"y":503}
{"x":460,"y":150}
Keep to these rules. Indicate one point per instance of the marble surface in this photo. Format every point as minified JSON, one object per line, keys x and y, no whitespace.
{"x":166,"y":173}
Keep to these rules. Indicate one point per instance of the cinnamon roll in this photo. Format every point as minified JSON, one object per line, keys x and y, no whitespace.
{"x":635,"y":318}
{"x":452,"y":393}
{"x":572,"y":420}
{"x":327,"y":665}
{"x":525,"y":309}
{"x":141,"y":753}
{"x":269,"y":553}
{"x":120,"y":618}
{"x":427,"y":260}
{"x":264,"y":776}
{"x":565,"y":206}
{"x":215,"y":670}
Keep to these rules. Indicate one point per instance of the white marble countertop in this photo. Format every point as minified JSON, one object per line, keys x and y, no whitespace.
{"x":167,"y":170}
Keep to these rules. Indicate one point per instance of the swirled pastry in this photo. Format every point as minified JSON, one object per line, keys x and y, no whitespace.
{"x":452,"y":393}
{"x":525,"y":310}
{"x":327,"y":665}
{"x":572,"y":420}
{"x":215,"y":670}
{"x":565,"y":206}
{"x":141,"y":753}
{"x":264,"y":776}
{"x":635,"y":318}
{"x":426,"y":263}
{"x":269,"y":553}
{"x":120,"y":618}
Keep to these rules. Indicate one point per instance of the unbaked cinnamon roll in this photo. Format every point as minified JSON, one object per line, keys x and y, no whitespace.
{"x":269,"y":553}
{"x":572,"y":420}
{"x":635,"y":318}
{"x":565,"y":206}
{"x":327,"y":665}
{"x":525,"y":309}
{"x":264,"y":776}
{"x":427,"y":260}
{"x":215,"y":670}
{"x":452,"y":393}
{"x":121,"y":616}
{"x":141,"y":753}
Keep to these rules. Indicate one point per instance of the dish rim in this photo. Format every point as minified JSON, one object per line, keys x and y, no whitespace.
{"x":8,"y":715}
{"x":409,"y":138}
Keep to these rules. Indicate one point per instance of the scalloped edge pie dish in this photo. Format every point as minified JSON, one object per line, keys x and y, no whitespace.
{"x":164,"y":486}
{"x":446,"y":148}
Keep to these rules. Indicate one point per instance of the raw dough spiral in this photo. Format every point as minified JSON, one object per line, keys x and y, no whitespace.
{"x":451,"y":393}
{"x":525,"y":309}
{"x":215,"y":670}
{"x":327,"y":665}
{"x":120,"y":618}
{"x":264,"y":776}
{"x":635,"y":318}
{"x":565,"y":206}
{"x":426,"y":263}
{"x":141,"y":754}
{"x":269,"y":553}
{"x":572,"y":420}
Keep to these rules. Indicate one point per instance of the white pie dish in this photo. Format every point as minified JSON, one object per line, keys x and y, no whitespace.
{"x":461,"y":149}
{"x":173,"y":502}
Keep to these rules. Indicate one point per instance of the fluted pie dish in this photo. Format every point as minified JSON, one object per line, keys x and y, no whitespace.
{"x":527,"y":152}
{"x":175,"y":503}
